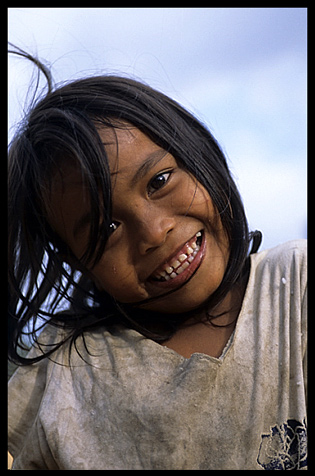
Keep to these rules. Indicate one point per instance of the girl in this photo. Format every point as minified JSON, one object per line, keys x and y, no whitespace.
{"x":179,"y":346}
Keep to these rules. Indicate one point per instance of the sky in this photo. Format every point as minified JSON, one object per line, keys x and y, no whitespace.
{"x":241,"y":71}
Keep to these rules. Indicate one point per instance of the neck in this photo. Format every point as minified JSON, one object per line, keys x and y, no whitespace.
{"x":208,"y":332}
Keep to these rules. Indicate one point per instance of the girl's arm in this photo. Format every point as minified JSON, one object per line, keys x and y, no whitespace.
{"x":10,"y":461}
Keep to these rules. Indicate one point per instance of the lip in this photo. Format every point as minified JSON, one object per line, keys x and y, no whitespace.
{"x":187,"y":273}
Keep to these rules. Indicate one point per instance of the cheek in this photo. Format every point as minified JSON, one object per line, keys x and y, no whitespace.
{"x":204,"y":206}
{"x":117,"y":279}
{"x":196,"y":200}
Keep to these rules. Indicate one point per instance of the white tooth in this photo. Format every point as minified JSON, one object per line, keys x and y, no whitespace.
{"x":163,"y":274}
{"x":182,"y":268}
{"x":173,"y":275}
{"x":189,"y":250}
{"x":194,"y":245}
{"x":196,"y":250}
{"x":169,"y":270}
{"x":182,"y":257}
{"x":175,"y":264}
{"x":198,"y":234}
{"x":167,"y":278}
{"x":191,"y":258}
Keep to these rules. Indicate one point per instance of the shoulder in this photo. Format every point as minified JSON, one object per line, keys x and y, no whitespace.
{"x":278,"y":280}
{"x":285,"y":251}
{"x":287,"y":259}
{"x":278,"y":285}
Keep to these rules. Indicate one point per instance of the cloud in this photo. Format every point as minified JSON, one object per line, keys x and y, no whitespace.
{"x":259,"y":118}
{"x":240,"y":70}
{"x":273,"y":191}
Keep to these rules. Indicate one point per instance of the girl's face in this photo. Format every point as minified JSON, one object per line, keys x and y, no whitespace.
{"x":167,"y":244}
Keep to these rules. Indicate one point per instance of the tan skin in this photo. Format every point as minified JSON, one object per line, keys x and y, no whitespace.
{"x":157,"y":208}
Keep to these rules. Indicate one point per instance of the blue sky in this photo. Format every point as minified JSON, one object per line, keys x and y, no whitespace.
{"x":242,"y":71}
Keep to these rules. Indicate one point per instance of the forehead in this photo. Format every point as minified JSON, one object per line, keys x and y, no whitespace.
{"x":125,"y":145}
{"x":126,"y":148}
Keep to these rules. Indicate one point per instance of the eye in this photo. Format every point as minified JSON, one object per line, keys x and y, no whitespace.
{"x":158,"y":182}
{"x":113,"y":226}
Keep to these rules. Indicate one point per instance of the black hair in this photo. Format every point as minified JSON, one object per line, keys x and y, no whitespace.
{"x":63,"y":125}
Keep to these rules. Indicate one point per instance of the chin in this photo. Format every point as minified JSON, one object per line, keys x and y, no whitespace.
{"x":177,"y":304}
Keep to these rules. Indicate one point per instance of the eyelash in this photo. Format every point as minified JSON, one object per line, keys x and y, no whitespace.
{"x":114,"y":225}
{"x":155,"y":189}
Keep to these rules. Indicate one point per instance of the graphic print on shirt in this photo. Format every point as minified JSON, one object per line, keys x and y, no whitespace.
{"x":284,"y":447}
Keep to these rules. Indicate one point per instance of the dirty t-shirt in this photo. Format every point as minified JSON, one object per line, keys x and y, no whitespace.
{"x":134,"y":404}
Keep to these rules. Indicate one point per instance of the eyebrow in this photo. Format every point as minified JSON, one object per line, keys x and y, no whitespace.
{"x":150,"y":162}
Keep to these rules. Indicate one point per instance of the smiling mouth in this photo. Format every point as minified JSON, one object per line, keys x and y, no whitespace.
{"x":182,"y":265}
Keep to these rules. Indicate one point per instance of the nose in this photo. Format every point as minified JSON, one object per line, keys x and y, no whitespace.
{"x":152,"y":233}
